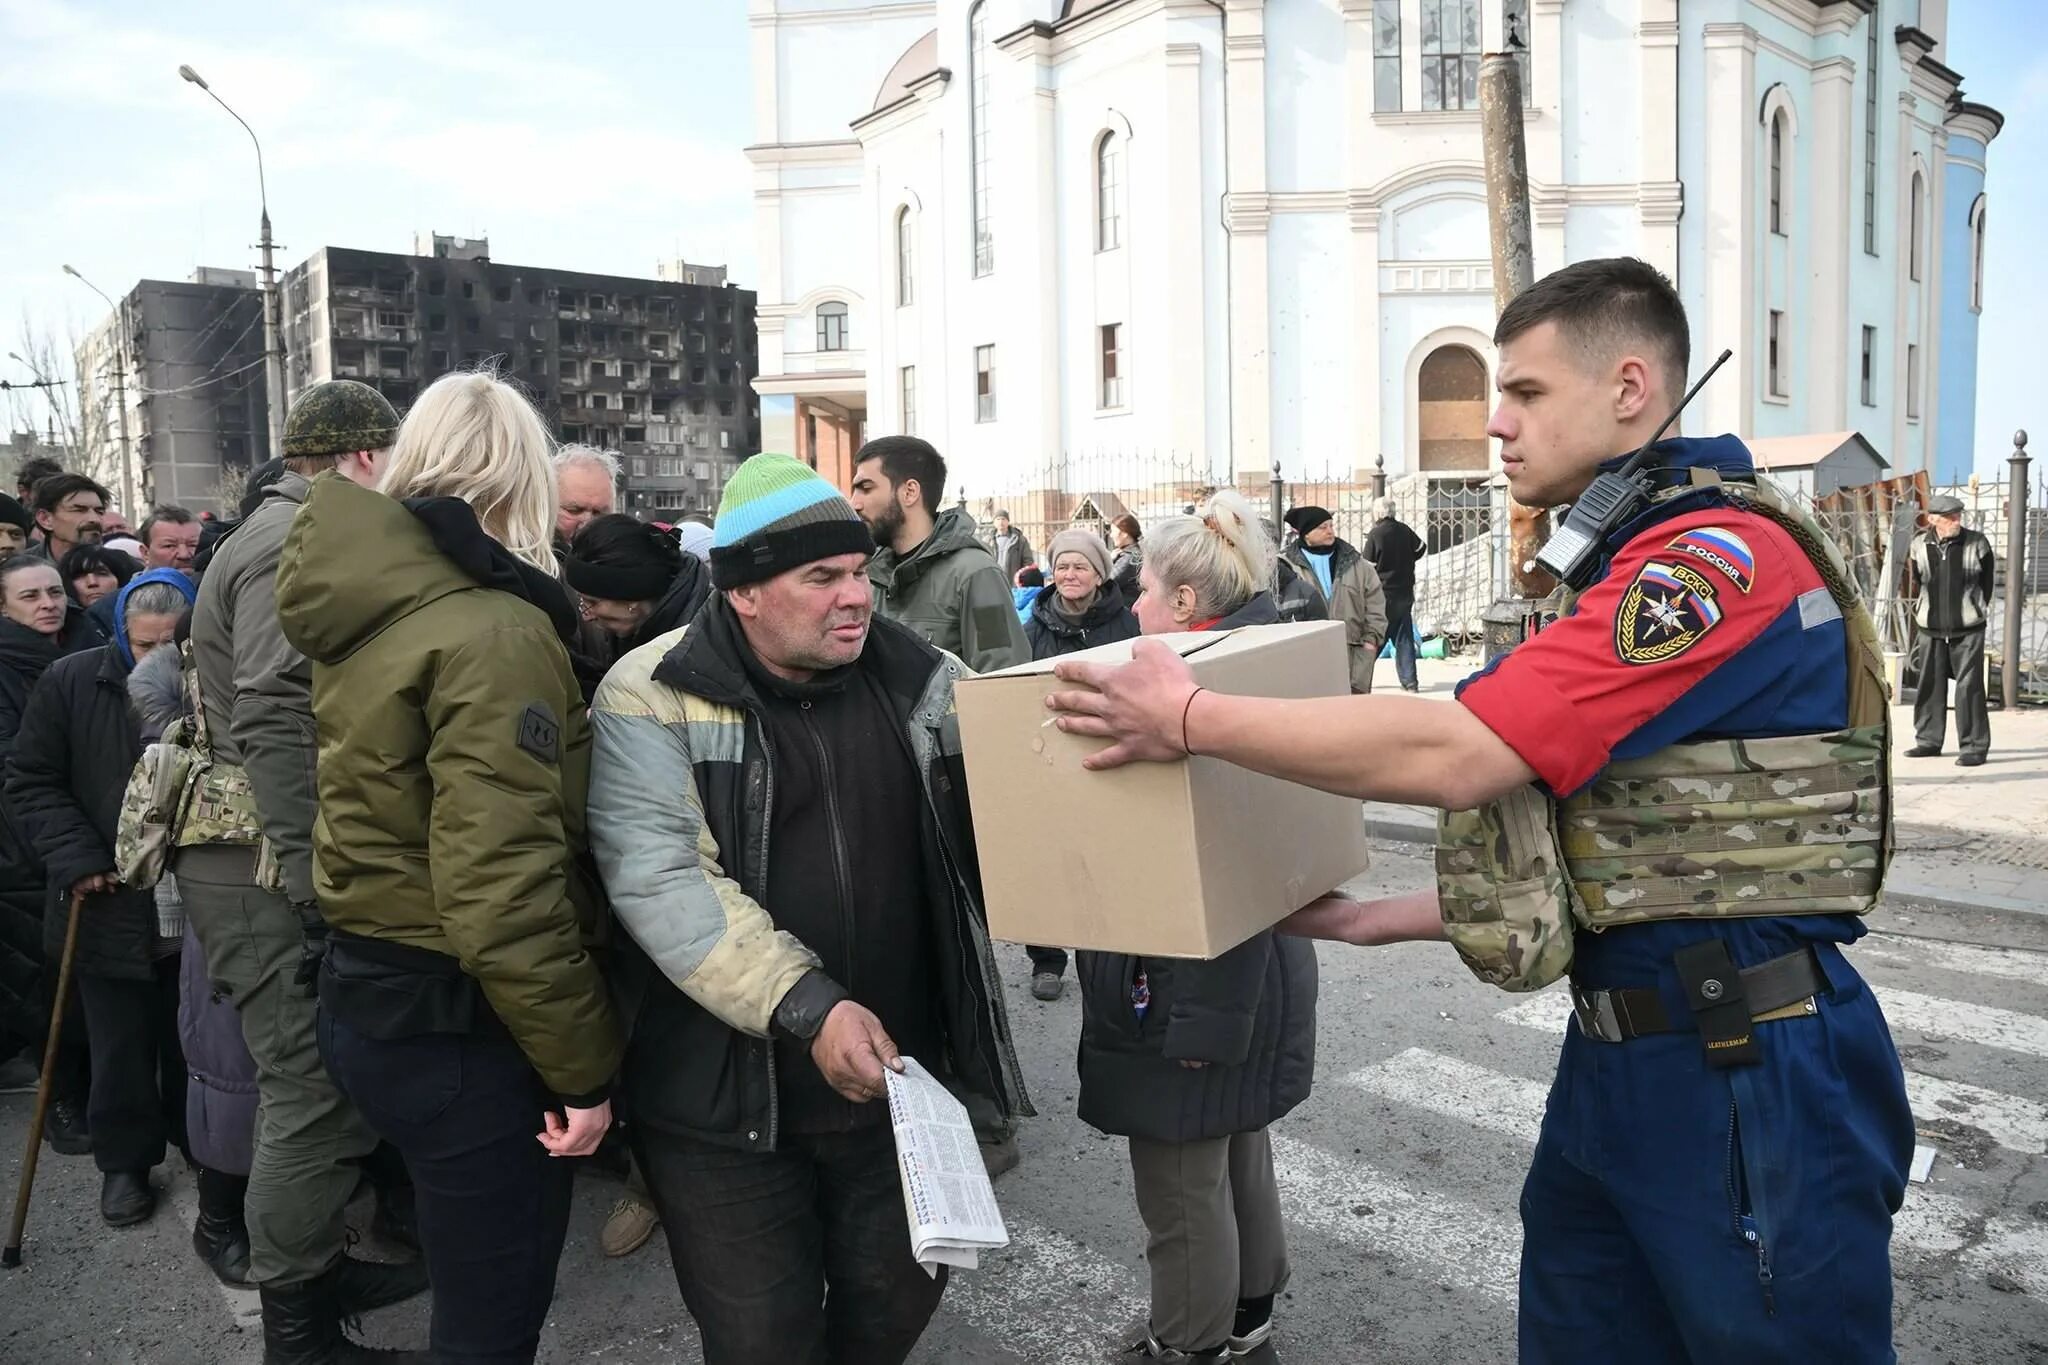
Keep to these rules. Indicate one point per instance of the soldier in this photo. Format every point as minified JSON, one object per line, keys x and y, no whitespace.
{"x":1692,"y":761}
{"x":247,"y":879}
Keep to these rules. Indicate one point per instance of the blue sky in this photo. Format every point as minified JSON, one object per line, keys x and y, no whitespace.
{"x":592,"y":137}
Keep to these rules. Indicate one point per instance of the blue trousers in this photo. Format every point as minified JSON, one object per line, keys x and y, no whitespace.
{"x":1676,"y":1213}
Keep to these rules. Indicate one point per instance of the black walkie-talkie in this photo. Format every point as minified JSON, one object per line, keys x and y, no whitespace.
{"x":1573,"y":551}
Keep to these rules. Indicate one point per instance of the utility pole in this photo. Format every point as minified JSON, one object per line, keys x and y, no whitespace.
{"x":273,"y":310}
{"x":1514,"y":266}
{"x":2015,"y":569}
{"x":120,"y":325}
{"x":273,"y":317}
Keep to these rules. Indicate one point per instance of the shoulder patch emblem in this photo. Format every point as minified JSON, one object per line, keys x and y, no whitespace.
{"x":1722,"y":548}
{"x":540,"y":734}
{"x":1667,"y":610}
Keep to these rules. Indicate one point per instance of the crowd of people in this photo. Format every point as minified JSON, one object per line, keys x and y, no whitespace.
{"x":487,"y":776}
{"x":523,"y":838}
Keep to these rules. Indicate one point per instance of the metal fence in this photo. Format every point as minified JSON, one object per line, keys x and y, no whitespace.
{"x":1463,"y":520}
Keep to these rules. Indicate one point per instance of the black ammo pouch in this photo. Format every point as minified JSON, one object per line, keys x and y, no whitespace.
{"x":1719,"y":1000}
{"x":388,"y":991}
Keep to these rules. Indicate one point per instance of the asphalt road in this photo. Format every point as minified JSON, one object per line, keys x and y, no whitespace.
{"x":1400,"y":1178}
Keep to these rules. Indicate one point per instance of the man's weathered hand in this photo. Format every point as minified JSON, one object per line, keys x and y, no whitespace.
{"x":1141,"y":705}
{"x":851,"y":1050}
{"x":94,"y":885}
{"x":1336,"y":918}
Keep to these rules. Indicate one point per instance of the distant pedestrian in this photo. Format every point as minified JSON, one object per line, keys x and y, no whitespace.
{"x":15,"y":527}
{"x":1349,"y":583}
{"x":31,"y":472}
{"x":1953,"y":570}
{"x":1012,"y":547}
{"x":1127,"y":538}
{"x":170,"y":539}
{"x":1082,"y":609}
{"x":1394,"y":550}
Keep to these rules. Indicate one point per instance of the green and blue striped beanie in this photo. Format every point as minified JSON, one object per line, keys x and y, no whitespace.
{"x":777,"y":515}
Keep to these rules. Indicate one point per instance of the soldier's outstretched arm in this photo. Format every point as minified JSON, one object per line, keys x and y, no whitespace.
{"x":1372,"y":748}
{"x":1410,"y":918}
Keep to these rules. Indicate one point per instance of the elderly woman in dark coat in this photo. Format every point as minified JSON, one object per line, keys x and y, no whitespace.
{"x":220,"y":1102}
{"x":1192,"y":1060}
{"x":77,"y":745}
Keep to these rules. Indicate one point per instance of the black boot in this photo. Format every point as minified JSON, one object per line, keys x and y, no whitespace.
{"x":397,"y":1220}
{"x":220,"y":1236}
{"x":64,"y":1129}
{"x":365,"y":1286}
{"x":301,"y":1326}
{"x":126,"y":1198}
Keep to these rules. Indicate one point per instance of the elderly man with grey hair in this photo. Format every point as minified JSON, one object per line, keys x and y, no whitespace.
{"x":1393,"y":549}
{"x":586,"y":488}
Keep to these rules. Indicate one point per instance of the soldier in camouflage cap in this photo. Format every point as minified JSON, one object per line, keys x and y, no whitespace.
{"x":1676,"y":795}
{"x":338,"y":417}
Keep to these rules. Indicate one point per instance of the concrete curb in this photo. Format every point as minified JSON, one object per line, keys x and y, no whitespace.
{"x":1397,"y":829}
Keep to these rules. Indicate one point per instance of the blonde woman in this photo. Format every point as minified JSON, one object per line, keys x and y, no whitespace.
{"x":460,"y":1008}
{"x":1192,"y":1060}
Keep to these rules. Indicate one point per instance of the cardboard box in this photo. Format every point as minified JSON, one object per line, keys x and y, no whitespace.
{"x":1183,"y":859}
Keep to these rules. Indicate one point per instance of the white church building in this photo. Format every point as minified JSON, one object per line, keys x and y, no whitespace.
{"x":1255,"y":231}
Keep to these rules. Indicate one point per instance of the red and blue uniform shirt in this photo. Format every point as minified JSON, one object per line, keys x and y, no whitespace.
{"x":1707,"y":622}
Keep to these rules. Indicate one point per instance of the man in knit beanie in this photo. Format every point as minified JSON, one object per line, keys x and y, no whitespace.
{"x":788,"y":725}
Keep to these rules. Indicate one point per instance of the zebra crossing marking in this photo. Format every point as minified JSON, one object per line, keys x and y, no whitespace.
{"x":1045,"y":1268}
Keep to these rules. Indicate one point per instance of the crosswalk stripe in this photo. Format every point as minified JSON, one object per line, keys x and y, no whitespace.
{"x":1985,"y":1025}
{"x":1467,"y":1247}
{"x":1930,"y":1224}
{"x":2013,"y":964}
{"x":1456,"y":1089}
{"x":2010,"y":1120}
{"x":1047,"y":1297}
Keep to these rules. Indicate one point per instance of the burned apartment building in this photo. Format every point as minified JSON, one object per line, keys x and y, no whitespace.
{"x":657,"y":370}
{"x":186,"y":359}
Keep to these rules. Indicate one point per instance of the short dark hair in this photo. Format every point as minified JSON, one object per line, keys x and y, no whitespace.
{"x":57,"y":487}
{"x":81,"y":560}
{"x":905,"y":458}
{"x":159,"y":516}
{"x":1030,"y":576}
{"x":34,"y":470}
{"x":1605,"y":306}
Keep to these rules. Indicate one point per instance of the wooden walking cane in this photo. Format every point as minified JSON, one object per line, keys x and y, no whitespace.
{"x":10,"y":1255}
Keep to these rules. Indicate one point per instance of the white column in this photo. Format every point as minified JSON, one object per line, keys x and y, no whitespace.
{"x":1658,"y":195}
{"x":1365,"y":237}
{"x":1821,"y":159}
{"x":1729,"y":201}
{"x":1931,"y":301}
{"x":1544,"y":133}
{"x":1185,"y":341}
{"x":1251,"y":392}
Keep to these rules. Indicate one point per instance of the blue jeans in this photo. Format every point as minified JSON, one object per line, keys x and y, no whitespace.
{"x":1401,"y":630}
{"x":1675,"y":1213}
{"x":493,"y":1206}
{"x":799,"y":1256}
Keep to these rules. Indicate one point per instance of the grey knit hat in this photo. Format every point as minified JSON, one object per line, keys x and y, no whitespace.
{"x":1080,"y":542}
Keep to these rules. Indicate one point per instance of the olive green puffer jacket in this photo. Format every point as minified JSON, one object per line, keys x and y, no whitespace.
{"x":454,"y":757}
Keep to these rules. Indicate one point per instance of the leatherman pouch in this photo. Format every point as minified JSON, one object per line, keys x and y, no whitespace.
{"x":1507,"y":905}
{"x":1719,"y":1001}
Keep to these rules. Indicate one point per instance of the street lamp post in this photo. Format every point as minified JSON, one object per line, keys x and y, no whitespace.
{"x":128,"y":503}
{"x":273,"y":312}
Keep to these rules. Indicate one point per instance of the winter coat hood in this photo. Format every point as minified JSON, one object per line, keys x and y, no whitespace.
{"x":156,"y":689}
{"x":1260,"y":611}
{"x":366,"y":561}
{"x":177,"y":579}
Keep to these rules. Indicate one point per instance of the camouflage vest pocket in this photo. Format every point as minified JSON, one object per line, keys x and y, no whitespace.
{"x":152,"y":805}
{"x":1507,"y":905}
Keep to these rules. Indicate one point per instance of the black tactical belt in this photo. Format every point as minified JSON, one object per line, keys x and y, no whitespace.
{"x":1783,"y":988}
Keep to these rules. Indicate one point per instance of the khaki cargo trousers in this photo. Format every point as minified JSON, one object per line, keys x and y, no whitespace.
{"x":308,"y":1138}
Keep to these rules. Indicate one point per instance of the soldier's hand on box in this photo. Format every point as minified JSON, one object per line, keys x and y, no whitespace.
{"x":851,"y":1050}
{"x":1141,"y":705}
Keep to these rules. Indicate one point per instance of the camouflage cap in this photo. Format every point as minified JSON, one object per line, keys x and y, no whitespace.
{"x":337,"y":417}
